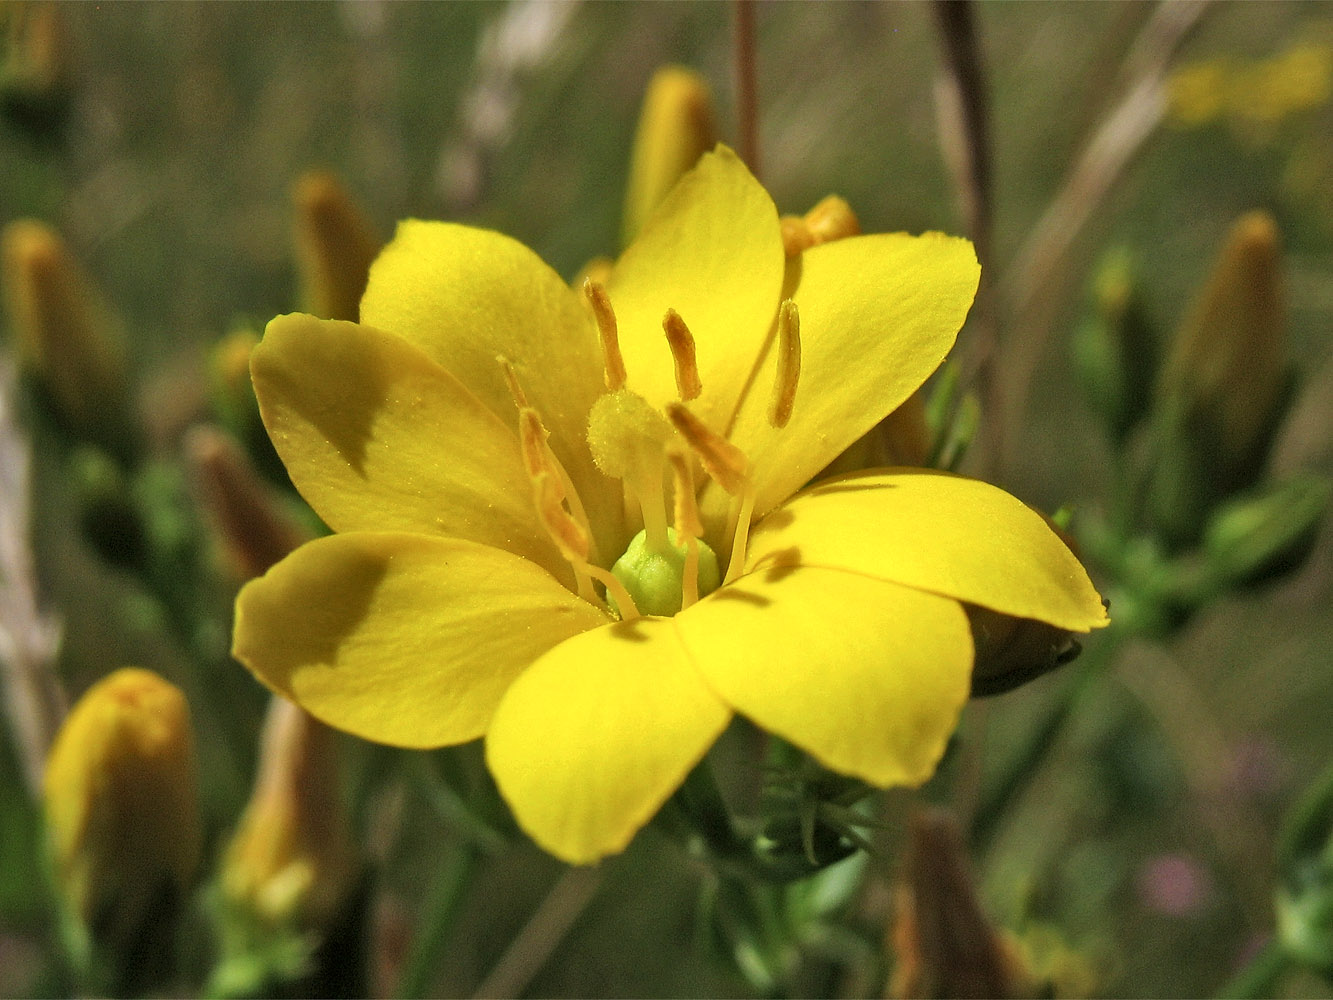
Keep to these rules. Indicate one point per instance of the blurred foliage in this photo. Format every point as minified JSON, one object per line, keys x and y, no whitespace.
{"x":1134,"y":851}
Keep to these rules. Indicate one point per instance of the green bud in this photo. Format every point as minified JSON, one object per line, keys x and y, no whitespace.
{"x":1113,"y":350}
{"x":654,"y":579}
{"x":1263,"y":535}
{"x":1224,"y":386}
{"x":1305,"y":871}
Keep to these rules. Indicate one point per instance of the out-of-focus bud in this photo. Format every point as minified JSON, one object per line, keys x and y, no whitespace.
{"x":1012,"y":651}
{"x":291,"y":863}
{"x":233,"y":399}
{"x":122,"y":814}
{"x":1222,"y":388}
{"x":1305,"y":879}
{"x":676,"y":127}
{"x":254,"y":529}
{"x":1113,"y":348}
{"x":1260,"y":536}
{"x":65,"y":336}
{"x":944,"y":945}
{"x":35,"y":70}
{"x":831,"y":219}
{"x":335,"y":246}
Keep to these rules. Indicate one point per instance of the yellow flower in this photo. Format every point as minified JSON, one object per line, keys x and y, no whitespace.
{"x":489,"y":443}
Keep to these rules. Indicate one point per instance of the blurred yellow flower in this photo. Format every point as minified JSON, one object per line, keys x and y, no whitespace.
{"x":489,"y":442}
{"x":121,"y":803}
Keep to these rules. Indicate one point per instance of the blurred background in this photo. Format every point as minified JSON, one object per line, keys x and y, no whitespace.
{"x":163,"y":143}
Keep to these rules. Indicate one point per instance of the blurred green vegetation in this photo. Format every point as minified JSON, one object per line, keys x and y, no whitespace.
{"x":167,"y":162}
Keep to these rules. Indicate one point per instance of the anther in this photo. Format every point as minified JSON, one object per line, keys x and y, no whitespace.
{"x":721,"y":459}
{"x":511,"y":380}
{"x":570,"y":539}
{"x":532,"y":444}
{"x":681,"y":342}
{"x":613,"y":362}
{"x":789,"y":364}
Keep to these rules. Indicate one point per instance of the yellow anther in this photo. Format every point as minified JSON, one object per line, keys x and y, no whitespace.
{"x":796,"y":235}
{"x":686,"y":510}
{"x":569,"y":538}
{"x":832,"y":219}
{"x":789,"y":364}
{"x":613,"y":362}
{"x":511,"y":380}
{"x":532,"y":436}
{"x":682,"y":352}
{"x":721,"y":459}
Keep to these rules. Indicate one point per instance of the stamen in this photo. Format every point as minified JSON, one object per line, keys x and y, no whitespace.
{"x":569,"y":538}
{"x":613,"y":362}
{"x":688,"y":526}
{"x":681,"y":342}
{"x":721,"y":459}
{"x":741,"y":537}
{"x":511,"y":380}
{"x":538,"y":458}
{"x":789,"y":365}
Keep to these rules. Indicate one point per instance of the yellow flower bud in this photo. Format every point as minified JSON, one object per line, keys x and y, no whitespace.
{"x":255,"y":531}
{"x":121,"y":799}
{"x":64,"y":334}
{"x":335,"y":245}
{"x":1222,"y":386}
{"x":944,"y":945}
{"x":291,"y":862}
{"x":676,"y":127}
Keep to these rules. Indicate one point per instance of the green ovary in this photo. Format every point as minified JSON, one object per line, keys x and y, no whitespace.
{"x":654,"y":579}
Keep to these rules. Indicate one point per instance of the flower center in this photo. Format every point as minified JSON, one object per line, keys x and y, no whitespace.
{"x":667,"y":566}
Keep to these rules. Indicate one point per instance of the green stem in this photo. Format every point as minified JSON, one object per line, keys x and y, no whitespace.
{"x":445,"y":902}
{"x":1260,"y":976}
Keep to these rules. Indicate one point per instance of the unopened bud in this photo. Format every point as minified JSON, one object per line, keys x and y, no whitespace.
{"x":945,"y":946}
{"x":1113,"y":348}
{"x":1305,"y":879}
{"x":253,"y":527}
{"x":1012,"y":651}
{"x":291,"y":862}
{"x":64,"y":334}
{"x":35,"y":68}
{"x":335,"y":246}
{"x":122,"y":813}
{"x":1257,"y":537}
{"x":676,"y":127}
{"x":1222,"y":388}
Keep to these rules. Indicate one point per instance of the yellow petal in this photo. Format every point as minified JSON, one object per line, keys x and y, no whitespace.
{"x":877,"y":316}
{"x":466,"y":296}
{"x":378,"y":437}
{"x":868,"y":677}
{"x":951,"y":536}
{"x":402,"y":639}
{"x":589,"y":742}
{"x":712,"y":252}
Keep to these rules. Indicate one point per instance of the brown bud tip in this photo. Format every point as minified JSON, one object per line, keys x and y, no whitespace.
{"x":335,"y":246}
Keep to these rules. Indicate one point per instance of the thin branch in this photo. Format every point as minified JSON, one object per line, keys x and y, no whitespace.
{"x":747,"y":84}
{"x":1043,"y":263}
{"x":542,"y":934}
